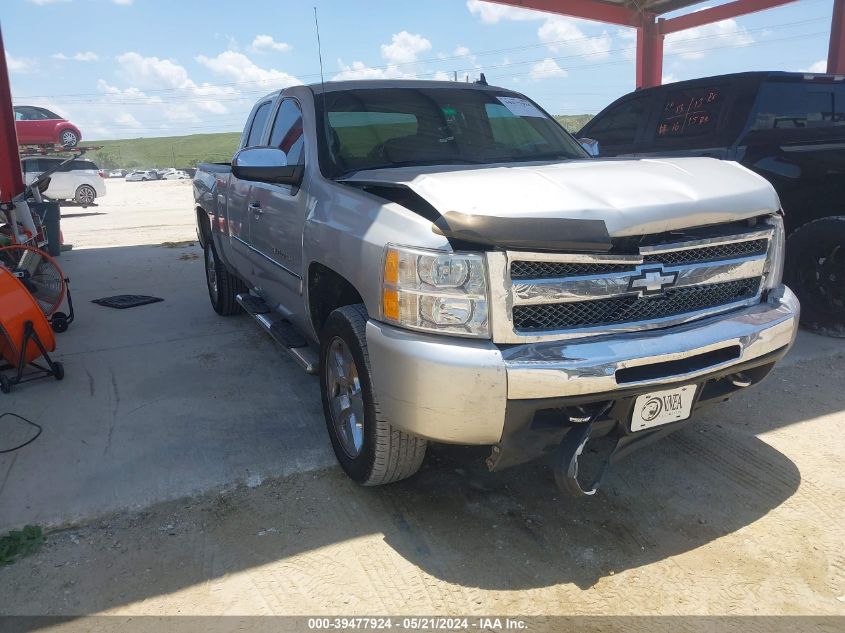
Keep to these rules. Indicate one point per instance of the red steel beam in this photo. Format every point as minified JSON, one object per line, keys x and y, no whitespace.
{"x":717,"y":14}
{"x":649,"y":53}
{"x":11,"y":179}
{"x":585,"y":9}
{"x":836,"y":53}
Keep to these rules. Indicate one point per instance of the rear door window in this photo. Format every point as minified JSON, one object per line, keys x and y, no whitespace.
{"x":691,"y":112}
{"x":799,"y":106}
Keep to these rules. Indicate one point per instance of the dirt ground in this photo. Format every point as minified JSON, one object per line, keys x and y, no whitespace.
{"x":737,"y":514}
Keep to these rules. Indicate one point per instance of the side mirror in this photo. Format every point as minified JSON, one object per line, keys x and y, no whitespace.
{"x":266,"y":164}
{"x":591,"y":145}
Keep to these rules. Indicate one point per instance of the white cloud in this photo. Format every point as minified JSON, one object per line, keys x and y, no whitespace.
{"x":43,"y":2}
{"x":689,"y":44}
{"x":402,"y":51}
{"x":404,"y":48}
{"x":564,"y":34}
{"x":359,"y":70}
{"x":547,"y":69}
{"x":123,"y":2}
{"x":266,"y":42}
{"x":816,"y":67}
{"x":242,"y":69}
{"x":669,"y":78}
{"x":20,"y":65}
{"x":87,"y":56}
{"x":127,"y":120}
{"x":492,"y":13}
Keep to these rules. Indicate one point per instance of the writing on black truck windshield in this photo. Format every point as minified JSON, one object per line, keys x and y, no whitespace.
{"x":398,"y":127}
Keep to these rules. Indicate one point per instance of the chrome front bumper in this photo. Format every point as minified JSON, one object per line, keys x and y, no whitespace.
{"x":457,"y":390}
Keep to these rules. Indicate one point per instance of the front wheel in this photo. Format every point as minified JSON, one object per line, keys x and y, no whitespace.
{"x":68,"y":138}
{"x":223,"y":286}
{"x":815,"y":271}
{"x":370,"y":449}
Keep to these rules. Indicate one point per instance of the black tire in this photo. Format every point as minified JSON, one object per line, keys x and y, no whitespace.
{"x":58,"y":371}
{"x":815,"y":271}
{"x":68,"y":138}
{"x":387,"y":454}
{"x":85,"y":195}
{"x":227,"y":285}
{"x":59,"y":322}
{"x":5,"y":384}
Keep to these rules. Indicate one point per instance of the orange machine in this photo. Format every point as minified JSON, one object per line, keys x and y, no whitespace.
{"x":25,"y":334}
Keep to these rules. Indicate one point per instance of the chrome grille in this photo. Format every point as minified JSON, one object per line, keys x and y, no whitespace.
{"x":658,"y":283}
{"x":548,"y":270}
{"x":710,"y":253}
{"x":558,"y":316}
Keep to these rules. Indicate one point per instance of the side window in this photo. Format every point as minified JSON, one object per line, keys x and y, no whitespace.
{"x":619,"y":125}
{"x":19,"y":116}
{"x":691,"y":112}
{"x":287,"y":132}
{"x":790,"y":106}
{"x":258,"y":123}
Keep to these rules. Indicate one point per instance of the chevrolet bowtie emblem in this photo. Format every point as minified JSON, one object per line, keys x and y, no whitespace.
{"x":652,"y":281}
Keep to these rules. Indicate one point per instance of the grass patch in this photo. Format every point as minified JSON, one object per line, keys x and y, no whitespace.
{"x":18,"y":543}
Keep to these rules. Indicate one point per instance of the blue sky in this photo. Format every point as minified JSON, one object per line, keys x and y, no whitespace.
{"x":133,"y":68}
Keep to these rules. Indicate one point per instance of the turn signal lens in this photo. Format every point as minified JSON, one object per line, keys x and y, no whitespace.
{"x":390,"y":304}
{"x":391,"y":267}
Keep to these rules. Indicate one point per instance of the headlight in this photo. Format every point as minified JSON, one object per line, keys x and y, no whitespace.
{"x":777,"y":252}
{"x":435,"y":291}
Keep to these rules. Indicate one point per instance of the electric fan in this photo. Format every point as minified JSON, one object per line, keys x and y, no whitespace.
{"x":41,"y":275}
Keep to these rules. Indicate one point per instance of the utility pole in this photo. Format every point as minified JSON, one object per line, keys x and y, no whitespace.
{"x":172,"y":155}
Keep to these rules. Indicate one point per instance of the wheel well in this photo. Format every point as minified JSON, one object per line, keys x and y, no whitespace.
{"x":327,"y":291}
{"x":203,"y":226}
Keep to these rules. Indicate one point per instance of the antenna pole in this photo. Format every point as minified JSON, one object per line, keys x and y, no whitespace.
{"x":319,"y":51}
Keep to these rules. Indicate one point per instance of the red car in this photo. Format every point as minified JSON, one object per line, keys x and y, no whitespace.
{"x":39,"y":126}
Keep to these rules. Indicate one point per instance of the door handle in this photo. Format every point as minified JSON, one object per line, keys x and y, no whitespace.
{"x":256,"y":209}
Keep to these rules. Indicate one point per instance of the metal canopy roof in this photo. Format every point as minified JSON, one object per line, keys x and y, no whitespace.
{"x":644,"y":15}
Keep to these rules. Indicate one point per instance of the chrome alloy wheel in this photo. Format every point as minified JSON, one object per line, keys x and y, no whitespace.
{"x":69,"y":139}
{"x":345,"y":397}
{"x":211,"y":273}
{"x":86,"y":194}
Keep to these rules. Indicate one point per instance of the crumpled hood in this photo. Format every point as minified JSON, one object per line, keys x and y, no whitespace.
{"x":632,"y":197}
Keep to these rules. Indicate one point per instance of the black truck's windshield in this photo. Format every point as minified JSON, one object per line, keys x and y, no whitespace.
{"x":400,"y":127}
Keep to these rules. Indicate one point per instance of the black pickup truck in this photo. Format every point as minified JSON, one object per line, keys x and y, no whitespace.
{"x":787,"y":127}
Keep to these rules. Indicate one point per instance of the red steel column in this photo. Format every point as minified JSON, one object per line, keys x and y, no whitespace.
{"x":836,"y":54}
{"x":11,"y":179}
{"x":649,"y":53}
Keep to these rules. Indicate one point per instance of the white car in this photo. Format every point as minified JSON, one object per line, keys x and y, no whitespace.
{"x":139,"y":176}
{"x":80,"y":180}
{"x":176,"y":175}
{"x":117,"y":173}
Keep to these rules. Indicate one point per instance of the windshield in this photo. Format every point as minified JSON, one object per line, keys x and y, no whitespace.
{"x":399,"y":127}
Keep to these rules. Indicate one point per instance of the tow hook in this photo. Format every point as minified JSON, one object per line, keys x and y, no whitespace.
{"x":570,"y":449}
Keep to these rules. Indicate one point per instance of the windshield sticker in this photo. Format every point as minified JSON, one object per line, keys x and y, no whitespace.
{"x":521,"y":107}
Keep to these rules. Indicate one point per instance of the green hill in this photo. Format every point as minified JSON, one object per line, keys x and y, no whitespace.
{"x":167,"y":151}
{"x":187,"y":151}
{"x":573,"y":122}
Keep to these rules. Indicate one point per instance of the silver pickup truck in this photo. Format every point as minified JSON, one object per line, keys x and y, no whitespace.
{"x":457,"y":268}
